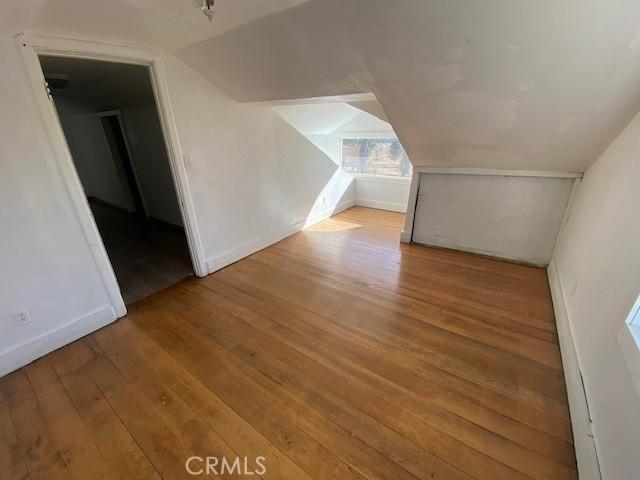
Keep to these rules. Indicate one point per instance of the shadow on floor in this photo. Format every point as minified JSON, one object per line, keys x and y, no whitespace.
{"x":147,"y":255}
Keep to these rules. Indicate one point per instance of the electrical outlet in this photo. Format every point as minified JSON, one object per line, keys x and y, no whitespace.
{"x":23,"y":317}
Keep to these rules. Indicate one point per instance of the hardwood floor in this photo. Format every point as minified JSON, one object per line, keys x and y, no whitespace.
{"x":336,"y":354}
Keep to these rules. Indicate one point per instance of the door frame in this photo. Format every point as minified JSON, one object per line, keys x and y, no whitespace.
{"x":32,"y":45}
{"x":132,"y":162}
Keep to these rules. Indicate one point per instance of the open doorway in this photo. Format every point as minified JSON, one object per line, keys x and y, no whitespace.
{"x":110,"y":120}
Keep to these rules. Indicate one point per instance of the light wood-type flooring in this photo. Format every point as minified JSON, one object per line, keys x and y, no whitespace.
{"x":336,"y":354}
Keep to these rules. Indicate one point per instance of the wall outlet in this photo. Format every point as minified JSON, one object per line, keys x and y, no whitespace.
{"x":22,"y":317}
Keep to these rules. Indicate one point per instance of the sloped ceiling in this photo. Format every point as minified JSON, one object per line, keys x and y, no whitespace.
{"x":516,"y":84}
{"x":333,"y":118}
{"x":161,"y":24}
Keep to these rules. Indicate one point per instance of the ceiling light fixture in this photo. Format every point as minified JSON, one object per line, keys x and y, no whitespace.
{"x":206,"y":6}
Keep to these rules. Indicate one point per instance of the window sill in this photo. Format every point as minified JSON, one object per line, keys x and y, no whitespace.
{"x":382,"y":179}
{"x":629,"y":341}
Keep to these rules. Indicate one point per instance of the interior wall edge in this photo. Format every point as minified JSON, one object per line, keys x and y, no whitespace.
{"x":37,"y":347}
{"x":583,"y":438}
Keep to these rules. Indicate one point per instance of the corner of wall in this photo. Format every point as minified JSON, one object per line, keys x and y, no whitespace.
{"x":583,"y":439}
{"x":35,"y":348}
{"x":248,"y":248}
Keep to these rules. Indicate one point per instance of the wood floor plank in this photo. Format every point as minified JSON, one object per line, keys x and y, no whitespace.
{"x":80,"y":452}
{"x":289,"y":347}
{"x":236,"y":432}
{"x":382,"y":334}
{"x":116,"y":444}
{"x":38,"y":446}
{"x":337,"y":353}
{"x":12,"y":461}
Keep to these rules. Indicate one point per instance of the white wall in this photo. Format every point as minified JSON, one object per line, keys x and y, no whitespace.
{"x":151,"y":163}
{"x":598,"y":265}
{"x":384,"y":193}
{"x":46,"y":264}
{"x":510,"y":217}
{"x":254,"y":180}
{"x":92,"y":155}
{"x":326,"y":124}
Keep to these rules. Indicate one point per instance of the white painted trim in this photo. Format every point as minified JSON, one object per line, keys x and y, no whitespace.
{"x":498,"y":173}
{"x":88,"y":48}
{"x":318,"y":217}
{"x":30,"y":46}
{"x":347,"y":98}
{"x":629,"y":341}
{"x":248,"y":248}
{"x":29,"y":351}
{"x":177,"y":165}
{"x":381,"y":205}
{"x":583,"y":439}
{"x":407,"y":232}
{"x":62,"y":155}
{"x":372,"y":135}
{"x":132,"y":160}
{"x":361,"y":177}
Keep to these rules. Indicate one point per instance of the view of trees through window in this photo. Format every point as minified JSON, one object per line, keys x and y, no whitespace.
{"x":375,"y":156}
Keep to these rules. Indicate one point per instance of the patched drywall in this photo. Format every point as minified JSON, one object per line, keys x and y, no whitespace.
{"x":498,"y":84}
{"x":516,"y":218}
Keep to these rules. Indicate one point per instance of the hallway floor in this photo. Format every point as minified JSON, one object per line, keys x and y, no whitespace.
{"x":147,"y":255}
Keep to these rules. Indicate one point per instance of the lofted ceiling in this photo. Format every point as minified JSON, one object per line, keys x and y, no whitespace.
{"x":333,"y":118}
{"x":161,"y":24}
{"x":514,"y":84}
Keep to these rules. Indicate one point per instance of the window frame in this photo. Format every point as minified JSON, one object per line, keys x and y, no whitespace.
{"x":371,"y":136}
{"x":629,"y":341}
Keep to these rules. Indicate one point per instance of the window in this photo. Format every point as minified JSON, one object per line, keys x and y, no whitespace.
{"x":629,"y":340}
{"x":375,"y":156}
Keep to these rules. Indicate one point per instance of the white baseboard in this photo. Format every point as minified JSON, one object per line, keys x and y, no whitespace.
{"x":583,"y":439}
{"x":318,"y":217}
{"x":35,"y":348}
{"x":248,"y":248}
{"x":405,"y":237}
{"x":381,"y":205}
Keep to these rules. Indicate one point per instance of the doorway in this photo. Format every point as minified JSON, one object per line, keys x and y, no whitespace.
{"x":110,"y":120}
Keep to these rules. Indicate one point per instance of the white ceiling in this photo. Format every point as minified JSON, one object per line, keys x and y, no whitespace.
{"x":518,"y":84}
{"x":323,"y":119}
{"x":162,"y":24}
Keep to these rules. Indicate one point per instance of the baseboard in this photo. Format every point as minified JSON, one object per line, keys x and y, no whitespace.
{"x":35,"y":348}
{"x":583,"y":439}
{"x":248,"y":248}
{"x":326,"y":213}
{"x":405,"y":237}
{"x":381,"y":205}
{"x":105,"y":203}
{"x":485,"y":253}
